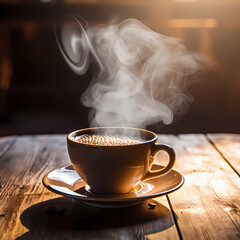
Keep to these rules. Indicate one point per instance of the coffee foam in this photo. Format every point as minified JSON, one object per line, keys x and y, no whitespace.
{"x":107,"y":140}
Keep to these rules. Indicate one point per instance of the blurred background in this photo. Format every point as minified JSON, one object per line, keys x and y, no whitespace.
{"x":40,"y":94}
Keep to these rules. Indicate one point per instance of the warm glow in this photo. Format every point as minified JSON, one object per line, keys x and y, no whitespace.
{"x":227,"y":209}
{"x":193,"y":23}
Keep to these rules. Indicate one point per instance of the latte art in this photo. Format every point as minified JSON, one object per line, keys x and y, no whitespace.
{"x":107,"y":140}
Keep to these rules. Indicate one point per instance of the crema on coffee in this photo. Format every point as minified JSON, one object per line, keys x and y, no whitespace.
{"x":107,"y":140}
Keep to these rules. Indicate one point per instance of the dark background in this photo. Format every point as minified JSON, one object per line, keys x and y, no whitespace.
{"x":40,"y":94}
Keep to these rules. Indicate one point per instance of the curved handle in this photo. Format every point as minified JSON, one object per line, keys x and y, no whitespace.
{"x":172,"y":158}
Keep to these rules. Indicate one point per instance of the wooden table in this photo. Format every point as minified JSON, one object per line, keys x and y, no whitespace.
{"x":206,"y":207}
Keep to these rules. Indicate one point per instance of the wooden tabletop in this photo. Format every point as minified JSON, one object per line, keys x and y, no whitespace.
{"x":206,"y":207}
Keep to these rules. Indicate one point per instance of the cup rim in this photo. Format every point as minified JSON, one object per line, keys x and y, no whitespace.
{"x":155,"y":137}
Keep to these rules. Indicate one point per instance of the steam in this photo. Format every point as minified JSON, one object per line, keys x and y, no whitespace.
{"x":142,"y":76}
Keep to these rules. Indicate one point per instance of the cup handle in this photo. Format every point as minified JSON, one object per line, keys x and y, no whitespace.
{"x":172,"y":157}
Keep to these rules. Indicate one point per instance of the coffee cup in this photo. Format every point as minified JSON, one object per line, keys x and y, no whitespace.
{"x":114,"y":160}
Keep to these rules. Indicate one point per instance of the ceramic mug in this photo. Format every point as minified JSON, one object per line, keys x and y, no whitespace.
{"x":116,"y":169}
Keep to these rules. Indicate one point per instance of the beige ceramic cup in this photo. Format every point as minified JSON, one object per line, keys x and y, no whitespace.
{"x":117,"y":169}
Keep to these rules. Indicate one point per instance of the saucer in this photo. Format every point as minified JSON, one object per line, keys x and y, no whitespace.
{"x":65,"y":181}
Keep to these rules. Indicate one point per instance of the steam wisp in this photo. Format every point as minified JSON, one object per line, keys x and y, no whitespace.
{"x":142,"y":76}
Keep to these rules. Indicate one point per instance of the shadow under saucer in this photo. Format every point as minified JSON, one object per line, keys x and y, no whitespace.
{"x":65,"y":218}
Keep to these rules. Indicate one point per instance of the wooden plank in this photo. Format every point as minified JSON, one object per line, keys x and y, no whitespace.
{"x":23,"y":167}
{"x":229,"y":146}
{"x":47,"y":216}
{"x":27,"y":210}
{"x":208,"y":205}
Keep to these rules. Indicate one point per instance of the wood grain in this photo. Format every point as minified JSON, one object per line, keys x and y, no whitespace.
{"x":5,"y":144}
{"x":208,"y":205}
{"x":229,"y":146}
{"x":29,"y":211}
{"x":23,"y":167}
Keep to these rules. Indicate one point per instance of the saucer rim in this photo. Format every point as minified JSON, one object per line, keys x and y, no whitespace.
{"x":111,"y":200}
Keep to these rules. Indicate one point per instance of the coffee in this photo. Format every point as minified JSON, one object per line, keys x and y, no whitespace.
{"x":110,"y":161}
{"x":107,"y":140}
